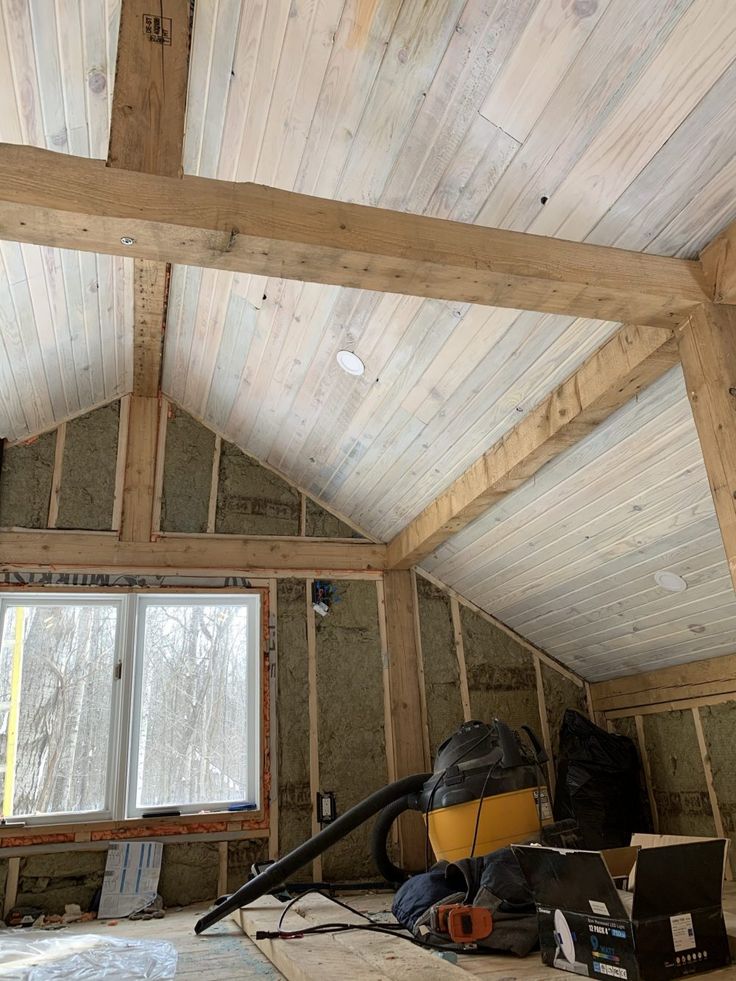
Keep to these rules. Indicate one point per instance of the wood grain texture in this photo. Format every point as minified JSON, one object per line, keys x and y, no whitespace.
{"x":708,"y":352}
{"x":623,"y":367}
{"x":232,"y":554}
{"x":74,"y":203}
{"x":568,"y":559}
{"x":406,"y":701}
{"x":711,"y":676}
{"x":147,"y":136}
{"x":150,"y":292}
{"x":149,"y":96}
{"x":719,"y":266}
{"x":136,"y":522}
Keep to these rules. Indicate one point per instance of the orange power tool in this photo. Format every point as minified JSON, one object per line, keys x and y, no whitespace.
{"x":464,"y":924}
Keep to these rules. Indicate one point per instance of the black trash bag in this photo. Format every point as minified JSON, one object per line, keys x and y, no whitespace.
{"x":599,"y":784}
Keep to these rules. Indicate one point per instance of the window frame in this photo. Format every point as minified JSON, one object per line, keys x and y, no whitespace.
{"x":253,"y":696}
{"x":125,"y":682}
{"x":107,"y":813}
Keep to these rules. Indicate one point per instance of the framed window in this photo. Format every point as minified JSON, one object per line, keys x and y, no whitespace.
{"x":115,"y":706}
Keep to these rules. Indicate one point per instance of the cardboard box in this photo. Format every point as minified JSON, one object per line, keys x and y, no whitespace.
{"x":670,"y":926}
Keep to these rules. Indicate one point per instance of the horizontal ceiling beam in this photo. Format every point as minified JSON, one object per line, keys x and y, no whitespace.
{"x":630,"y":361}
{"x":76,"y":203}
{"x":206,"y":555}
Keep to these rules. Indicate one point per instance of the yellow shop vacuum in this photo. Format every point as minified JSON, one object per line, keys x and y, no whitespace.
{"x":487,"y":791}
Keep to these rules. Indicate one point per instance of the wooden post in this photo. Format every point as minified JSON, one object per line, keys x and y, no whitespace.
{"x":147,"y":136}
{"x":406,"y":704}
{"x":708,"y":353}
{"x":641,"y":739}
{"x":313,"y":722}
{"x":136,"y":522}
{"x":544,"y":722}
{"x":457,"y":630}
{"x":708,"y":771}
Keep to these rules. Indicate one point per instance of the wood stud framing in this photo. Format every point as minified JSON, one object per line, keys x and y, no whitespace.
{"x":460,"y":654}
{"x":147,"y":137}
{"x":406,"y":700}
{"x":56,"y":476}
{"x":708,"y":353}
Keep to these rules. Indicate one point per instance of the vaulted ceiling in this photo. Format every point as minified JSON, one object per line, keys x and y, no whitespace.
{"x":609,"y":121}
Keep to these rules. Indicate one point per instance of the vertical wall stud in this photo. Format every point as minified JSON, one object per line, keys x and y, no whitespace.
{"x":273,"y":661}
{"x":544,"y":722}
{"x":56,"y":476}
{"x":214,"y":486}
{"x":639,"y":722}
{"x":460,"y":654}
{"x":708,"y":771}
{"x":313,"y":723}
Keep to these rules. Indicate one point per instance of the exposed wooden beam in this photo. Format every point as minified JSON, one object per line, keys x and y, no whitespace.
{"x":708,"y":353}
{"x":150,"y":300}
{"x":149,"y":96}
{"x":75,"y":203}
{"x":136,"y":523}
{"x":712,"y":676}
{"x":214,"y":555}
{"x":718,"y":260}
{"x":147,"y":136}
{"x":632,"y":359}
{"x":406,"y":703}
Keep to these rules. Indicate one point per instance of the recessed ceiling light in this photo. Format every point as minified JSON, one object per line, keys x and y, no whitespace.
{"x":670,"y":581}
{"x":350,"y":362}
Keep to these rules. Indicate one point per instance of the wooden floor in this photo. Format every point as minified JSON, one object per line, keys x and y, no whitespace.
{"x":222,"y":954}
{"x":225,"y":954}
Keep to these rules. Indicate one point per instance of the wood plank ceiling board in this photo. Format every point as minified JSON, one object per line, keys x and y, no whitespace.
{"x":390,"y":109}
{"x":65,"y":317}
{"x":568,"y":560}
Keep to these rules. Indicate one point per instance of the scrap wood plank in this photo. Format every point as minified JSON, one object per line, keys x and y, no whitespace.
{"x":399,"y":959}
{"x":314,"y":959}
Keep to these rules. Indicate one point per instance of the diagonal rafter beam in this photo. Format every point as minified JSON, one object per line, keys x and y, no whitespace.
{"x":74,"y":203}
{"x":630,"y":361}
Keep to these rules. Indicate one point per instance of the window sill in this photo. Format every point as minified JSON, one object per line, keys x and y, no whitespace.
{"x":137,"y":827}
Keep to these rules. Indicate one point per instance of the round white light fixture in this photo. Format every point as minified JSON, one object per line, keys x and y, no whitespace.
{"x":670,"y":581}
{"x":350,"y":363}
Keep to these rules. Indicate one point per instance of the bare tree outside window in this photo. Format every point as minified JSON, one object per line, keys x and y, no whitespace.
{"x":56,"y":673}
{"x":194,"y":713}
{"x":115,"y":706}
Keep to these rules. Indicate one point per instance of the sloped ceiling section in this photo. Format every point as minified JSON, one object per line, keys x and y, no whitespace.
{"x":610,"y":121}
{"x":569,"y":559}
{"x":563,"y":118}
{"x":66,"y":318}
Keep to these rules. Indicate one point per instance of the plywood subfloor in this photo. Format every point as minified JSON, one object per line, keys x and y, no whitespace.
{"x":224,"y":954}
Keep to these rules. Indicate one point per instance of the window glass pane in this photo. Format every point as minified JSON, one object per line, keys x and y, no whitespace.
{"x":193,"y":726}
{"x":56,"y":676}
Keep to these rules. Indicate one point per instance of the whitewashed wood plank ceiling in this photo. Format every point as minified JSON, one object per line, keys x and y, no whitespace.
{"x":65,"y":317}
{"x":569,"y":558}
{"x":610,"y":121}
{"x":438,"y":107}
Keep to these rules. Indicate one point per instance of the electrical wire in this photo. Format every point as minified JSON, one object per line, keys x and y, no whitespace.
{"x":438,"y":781}
{"x":491,"y":772}
{"x":390,"y":929}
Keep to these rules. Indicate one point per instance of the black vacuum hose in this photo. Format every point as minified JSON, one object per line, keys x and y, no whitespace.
{"x":280,"y":871}
{"x":379,"y":838}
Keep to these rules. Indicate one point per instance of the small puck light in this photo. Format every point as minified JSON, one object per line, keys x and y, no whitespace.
{"x":350,"y":363}
{"x":670,"y":581}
